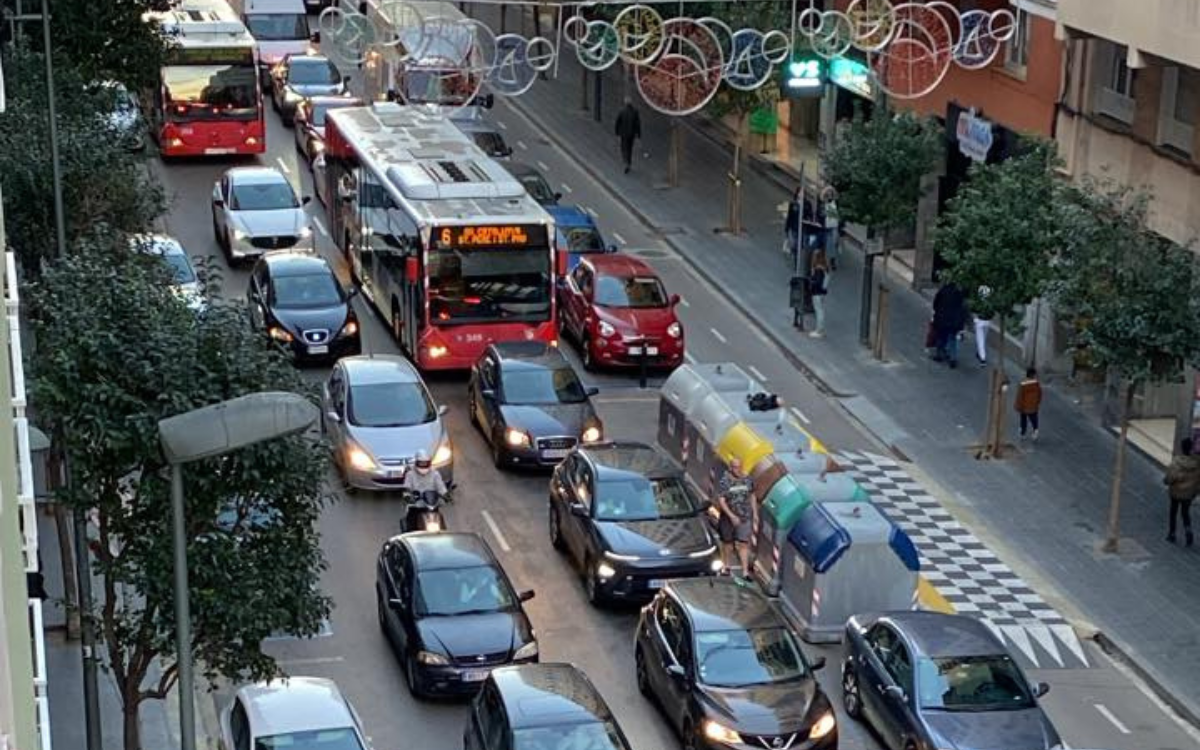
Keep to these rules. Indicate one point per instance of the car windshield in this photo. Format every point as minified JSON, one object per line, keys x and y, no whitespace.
{"x":972,"y":683}
{"x":553,"y":385}
{"x":306,"y":290}
{"x":208,"y":91}
{"x":263,"y":196}
{"x":390,"y":405}
{"x":180,"y":267}
{"x":641,"y":499}
{"x":591,"y":736}
{"x":312,"y":71}
{"x":460,"y":591}
{"x":320,"y":739}
{"x":738,"y":658}
{"x":538,"y":188}
{"x":583,"y":240}
{"x":631,"y":291}
{"x":277,"y":26}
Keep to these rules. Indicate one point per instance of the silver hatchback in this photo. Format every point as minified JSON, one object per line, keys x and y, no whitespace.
{"x":377,"y":413}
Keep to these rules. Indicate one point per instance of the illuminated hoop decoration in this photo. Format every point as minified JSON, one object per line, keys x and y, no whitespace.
{"x":754,"y":58}
{"x":346,"y":36}
{"x":917,"y":55}
{"x":453,"y":56}
{"x":872,"y":22}
{"x":980,"y":36}
{"x":597,"y":43}
{"x":518,"y":62}
{"x":830,"y":33}
{"x":642,"y":33}
{"x":687,"y":73}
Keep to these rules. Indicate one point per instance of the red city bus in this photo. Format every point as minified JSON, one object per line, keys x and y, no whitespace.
{"x":208,"y":100}
{"x":445,"y":244}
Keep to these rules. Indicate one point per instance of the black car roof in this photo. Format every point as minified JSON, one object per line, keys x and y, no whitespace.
{"x":616,"y":458}
{"x":538,"y":695}
{"x":289,"y":263}
{"x":724,"y":604}
{"x":442,"y":550}
{"x":531,"y":354}
{"x":937,"y":634}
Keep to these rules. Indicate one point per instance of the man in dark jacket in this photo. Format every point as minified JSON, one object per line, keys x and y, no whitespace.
{"x":1183,"y":484}
{"x":949,"y":317}
{"x":629,"y":129}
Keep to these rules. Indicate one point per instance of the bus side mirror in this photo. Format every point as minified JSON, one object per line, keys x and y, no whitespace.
{"x":561,"y":259}
{"x":412,"y":270}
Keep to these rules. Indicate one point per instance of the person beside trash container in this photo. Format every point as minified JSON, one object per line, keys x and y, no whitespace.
{"x":739,"y":516}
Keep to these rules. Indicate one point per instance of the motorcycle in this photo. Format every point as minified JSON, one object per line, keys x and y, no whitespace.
{"x":424,"y":511}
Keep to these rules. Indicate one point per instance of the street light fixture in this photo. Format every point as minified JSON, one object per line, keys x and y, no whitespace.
{"x":204,"y":433}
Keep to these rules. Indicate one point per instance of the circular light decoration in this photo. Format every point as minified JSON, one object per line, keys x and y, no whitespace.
{"x":687,"y":74}
{"x":724,"y":35}
{"x":641,"y":31}
{"x":830,"y":33}
{"x":450,"y":64}
{"x":918,"y":54}
{"x":872,"y":22}
{"x":345,"y":35}
{"x":981,"y":37}
{"x":597,"y":44}
{"x":518,"y":62}
{"x":398,"y":25}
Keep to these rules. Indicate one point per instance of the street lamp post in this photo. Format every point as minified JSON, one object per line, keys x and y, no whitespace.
{"x":204,"y":433}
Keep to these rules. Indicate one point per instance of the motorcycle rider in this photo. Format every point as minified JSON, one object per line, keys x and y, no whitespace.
{"x":423,"y":478}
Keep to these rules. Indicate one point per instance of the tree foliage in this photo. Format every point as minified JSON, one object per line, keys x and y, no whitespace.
{"x":1000,"y":231}
{"x":116,"y":352}
{"x":877,"y":166}
{"x":741,"y":15}
{"x":102,"y":182}
{"x":108,"y":41}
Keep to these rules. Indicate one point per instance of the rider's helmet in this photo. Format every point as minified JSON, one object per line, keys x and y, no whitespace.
{"x":422,"y":462}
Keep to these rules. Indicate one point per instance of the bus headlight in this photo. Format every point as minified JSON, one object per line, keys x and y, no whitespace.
{"x":437,"y":351}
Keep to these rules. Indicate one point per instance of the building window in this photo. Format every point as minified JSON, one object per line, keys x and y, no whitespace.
{"x":1179,"y":107}
{"x":1114,"y":94}
{"x":1016,"y":49}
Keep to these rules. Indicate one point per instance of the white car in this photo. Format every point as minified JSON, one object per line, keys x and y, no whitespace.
{"x":297,"y":712}
{"x":187,"y":284}
{"x":254,"y":209}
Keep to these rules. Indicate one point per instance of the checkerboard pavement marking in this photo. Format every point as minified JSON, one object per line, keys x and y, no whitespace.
{"x":964,"y":571}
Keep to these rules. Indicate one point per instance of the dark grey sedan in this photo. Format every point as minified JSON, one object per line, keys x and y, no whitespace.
{"x":931,"y":681}
{"x":528,"y":402}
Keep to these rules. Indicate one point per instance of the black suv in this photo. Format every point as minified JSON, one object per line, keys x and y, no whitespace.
{"x":626,"y":516}
{"x":727,"y":670}
{"x":296,"y":301}
{"x":541,"y":706}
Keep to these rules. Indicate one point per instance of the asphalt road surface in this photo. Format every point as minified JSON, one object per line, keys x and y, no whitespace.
{"x":1095,"y":708}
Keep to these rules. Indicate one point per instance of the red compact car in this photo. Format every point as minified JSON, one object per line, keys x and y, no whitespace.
{"x":616,"y":309}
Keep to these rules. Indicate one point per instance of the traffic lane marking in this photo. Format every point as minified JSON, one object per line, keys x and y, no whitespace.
{"x":501,"y":124}
{"x":567,"y":188}
{"x":495,"y":529}
{"x":719,"y":337}
{"x":754,"y":371}
{"x":282,"y":165}
{"x":317,"y":221}
{"x":801,"y":415}
{"x":522,"y":145}
{"x":542,"y":166}
{"x":1112,"y":719}
{"x":618,"y":238}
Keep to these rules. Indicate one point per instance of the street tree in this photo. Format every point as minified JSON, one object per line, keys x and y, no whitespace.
{"x":116,"y":352}
{"x":878,"y":166}
{"x":1133,"y":298}
{"x":109,"y":41}
{"x":102,"y":181}
{"x":998,"y":235}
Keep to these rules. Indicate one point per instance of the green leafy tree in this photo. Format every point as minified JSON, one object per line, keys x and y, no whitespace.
{"x":998,"y":235}
{"x":1134,"y":298}
{"x":109,"y":41}
{"x":116,"y":352}
{"x":102,"y":181}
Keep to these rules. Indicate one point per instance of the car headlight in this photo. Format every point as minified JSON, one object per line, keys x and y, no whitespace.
{"x":606,"y":330}
{"x":720,"y":733}
{"x":823,"y":726}
{"x":360,"y":459}
{"x":429,"y":657}
{"x":675,"y":330}
{"x":604,"y":570}
{"x":350,"y":329}
{"x":591,"y":434}
{"x":528,"y":651}
{"x":317,"y":146}
{"x":443,"y":454}
{"x":239,"y":235}
{"x":717,"y":565}
{"x":517,"y":438}
{"x":305,"y":232}
{"x":280,"y":334}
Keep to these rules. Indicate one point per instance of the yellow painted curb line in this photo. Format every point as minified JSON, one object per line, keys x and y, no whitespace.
{"x":930,"y":599}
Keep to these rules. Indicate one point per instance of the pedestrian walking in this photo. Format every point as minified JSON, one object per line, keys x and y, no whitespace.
{"x":1183,"y":484}
{"x":982,"y":326}
{"x":791,"y":225}
{"x":739,"y":516}
{"x":833,"y":227}
{"x":818,"y":283}
{"x":1029,"y":401}
{"x":949,"y":317}
{"x":813,"y":224}
{"x":629,"y":130}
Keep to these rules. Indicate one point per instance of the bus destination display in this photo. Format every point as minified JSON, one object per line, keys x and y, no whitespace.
{"x":491,"y":235}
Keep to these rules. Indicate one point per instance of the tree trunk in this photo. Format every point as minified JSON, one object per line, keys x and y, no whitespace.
{"x":998,"y":437}
{"x":132,"y":725}
{"x":62,"y":525}
{"x":735,"y":179}
{"x":1113,"y":538}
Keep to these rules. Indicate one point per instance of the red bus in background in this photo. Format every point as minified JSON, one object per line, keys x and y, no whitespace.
{"x":208,"y":100}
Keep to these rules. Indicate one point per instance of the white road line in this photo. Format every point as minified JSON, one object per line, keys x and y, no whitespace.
{"x":683,"y":301}
{"x":618,"y":238}
{"x":501,"y":124}
{"x":567,"y":188}
{"x":284,"y":167}
{"x":312,"y":660}
{"x":754,"y":371}
{"x":801,"y":415}
{"x":718,"y":335}
{"x":542,"y":166}
{"x":320,"y":226}
{"x":625,"y":399}
{"x":1111,"y":719}
{"x":590,"y":211}
{"x":690,"y":359}
{"x":491,"y":522}
{"x":522,"y":145}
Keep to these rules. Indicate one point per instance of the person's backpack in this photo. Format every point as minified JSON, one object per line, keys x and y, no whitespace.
{"x":762,"y":401}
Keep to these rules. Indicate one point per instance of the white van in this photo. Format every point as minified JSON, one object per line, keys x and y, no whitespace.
{"x":279,"y":26}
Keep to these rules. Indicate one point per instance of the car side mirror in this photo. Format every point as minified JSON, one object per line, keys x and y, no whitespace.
{"x":442,"y":409}
{"x":579,"y":510}
{"x":1041,"y":689}
{"x":219,"y":203}
{"x":332,"y":416}
{"x":612,"y":248}
{"x":306,"y":200}
{"x":352,"y":292}
{"x":675,"y":300}
{"x":315,"y":37}
{"x":817,"y":664}
{"x":677,"y":672}
{"x":488,"y":393}
{"x":896,"y":693}
{"x":591,"y":390}
{"x":526,"y":595}
{"x":558,"y":196}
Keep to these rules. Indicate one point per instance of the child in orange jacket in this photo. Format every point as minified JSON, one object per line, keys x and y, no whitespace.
{"x":1028,"y":401}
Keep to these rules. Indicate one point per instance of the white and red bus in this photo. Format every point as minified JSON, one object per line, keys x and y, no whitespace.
{"x":447,"y":245}
{"x":208,"y":100}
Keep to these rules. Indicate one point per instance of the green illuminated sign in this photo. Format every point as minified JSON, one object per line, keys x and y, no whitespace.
{"x":851,"y":75}
{"x":804,"y":75}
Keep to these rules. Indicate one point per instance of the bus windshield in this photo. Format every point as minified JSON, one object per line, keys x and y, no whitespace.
{"x":195,"y":92}
{"x":467,"y":286}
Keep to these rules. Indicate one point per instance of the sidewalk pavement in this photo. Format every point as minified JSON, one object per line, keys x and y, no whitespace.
{"x":1043,"y":508}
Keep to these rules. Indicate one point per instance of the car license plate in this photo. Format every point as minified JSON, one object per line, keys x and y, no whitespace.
{"x":655,"y":583}
{"x":636,"y":351}
{"x":395,"y":473}
{"x":219,"y":150}
{"x":323,"y":349}
{"x":475,"y":675}
{"x":555,"y":452}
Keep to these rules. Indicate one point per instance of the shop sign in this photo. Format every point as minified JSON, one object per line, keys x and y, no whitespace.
{"x":804,"y":75}
{"x":974,"y":136}
{"x":852,"y":76}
